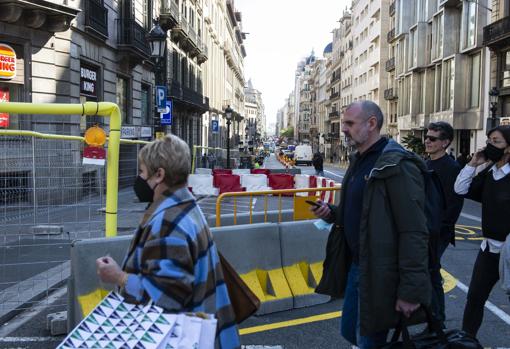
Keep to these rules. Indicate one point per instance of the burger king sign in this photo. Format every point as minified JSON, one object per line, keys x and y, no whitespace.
{"x":7,"y":62}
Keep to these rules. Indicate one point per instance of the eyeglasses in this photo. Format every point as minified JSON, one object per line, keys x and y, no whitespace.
{"x":432,"y":138}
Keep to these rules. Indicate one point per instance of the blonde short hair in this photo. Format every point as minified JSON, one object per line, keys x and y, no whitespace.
{"x":171,"y":154}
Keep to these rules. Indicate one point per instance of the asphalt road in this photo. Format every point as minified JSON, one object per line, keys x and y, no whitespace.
{"x":318,"y":326}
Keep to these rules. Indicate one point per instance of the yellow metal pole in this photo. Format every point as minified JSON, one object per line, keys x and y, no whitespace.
{"x":194,"y":159}
{"x":218,"y":209}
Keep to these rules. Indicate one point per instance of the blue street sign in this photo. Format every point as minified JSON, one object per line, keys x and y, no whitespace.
{"x":166,"y":117}
{"x":215,"y":126}
{"x":161,"y":98}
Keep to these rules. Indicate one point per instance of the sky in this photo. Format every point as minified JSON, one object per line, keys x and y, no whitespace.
{"x":281,"y":33}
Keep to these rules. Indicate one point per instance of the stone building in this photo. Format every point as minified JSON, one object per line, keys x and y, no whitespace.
{"x":440,"y":65}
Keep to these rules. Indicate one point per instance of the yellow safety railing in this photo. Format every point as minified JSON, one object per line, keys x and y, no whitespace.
{"x":298,"y":201}
{"x":105,"y":109}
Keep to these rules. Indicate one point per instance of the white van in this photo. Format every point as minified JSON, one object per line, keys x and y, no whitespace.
{"x":303,"y":154}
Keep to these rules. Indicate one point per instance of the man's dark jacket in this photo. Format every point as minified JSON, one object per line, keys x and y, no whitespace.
{"x":393,"y":239}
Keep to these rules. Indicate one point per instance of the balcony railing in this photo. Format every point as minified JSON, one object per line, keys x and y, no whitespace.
{"x":334,"y":114}
{"x":390,"y":94}
{"x":132,"y":36}
{"x":170,"y":14}
{"x":188,"y":95}
{"x":497,"y":33}
{"x":334,"y":95}
{"x":391,"y":35}
{"x":390,"y":64}
{"x":96,"y":18}
{"x":392,"y":8}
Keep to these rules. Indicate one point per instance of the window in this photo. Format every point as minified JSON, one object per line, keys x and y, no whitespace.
{"x":474,"y":95}
{"x":146,"y":105}
{"x":448,"y":84}
{"x":412,"y":58}
{"x":469,"y":20}
{"x":437,"y":37}
{"x":437,"y":89}
{"x":421,"y":93}
{"x":147,"y":14}
{"x":123,"y":98}
{"x":506,"y":69}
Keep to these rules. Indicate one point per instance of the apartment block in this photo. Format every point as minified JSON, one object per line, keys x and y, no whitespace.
{"x":370,"y":22}
{"x":439,"y":68}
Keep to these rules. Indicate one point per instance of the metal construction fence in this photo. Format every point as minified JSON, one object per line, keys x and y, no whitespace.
{"x":207,"y":157}
{"x":276,"y":201}
{"x":48,"y":198}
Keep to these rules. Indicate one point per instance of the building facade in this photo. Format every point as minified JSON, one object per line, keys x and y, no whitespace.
{"x":370,"y":50}
{"x":496,"y":36}
{"x":440,"y":65}
{"x":254,"y":104}
{"x":224,"y":71}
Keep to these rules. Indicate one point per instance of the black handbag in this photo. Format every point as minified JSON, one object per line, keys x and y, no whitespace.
{"x":437,"y":339}
{"x":336,"y":265}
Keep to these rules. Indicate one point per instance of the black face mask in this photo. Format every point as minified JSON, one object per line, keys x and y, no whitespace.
{"x":143,"y":190}
{"x":493,"y":153}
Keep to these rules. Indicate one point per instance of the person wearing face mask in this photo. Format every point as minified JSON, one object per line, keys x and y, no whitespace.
{"x":490,"y":187}
{"x":172,"y":259}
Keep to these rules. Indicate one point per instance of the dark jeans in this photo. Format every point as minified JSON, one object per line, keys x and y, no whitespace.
{"x":437,"y":303}
{"x":485,"y":276}
{"x":350,"y":327}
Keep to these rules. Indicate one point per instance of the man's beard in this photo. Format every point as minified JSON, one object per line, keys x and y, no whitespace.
{"x":363,"y":137}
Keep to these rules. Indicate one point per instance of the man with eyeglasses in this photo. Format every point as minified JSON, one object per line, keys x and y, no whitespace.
{"x":438,"y":139}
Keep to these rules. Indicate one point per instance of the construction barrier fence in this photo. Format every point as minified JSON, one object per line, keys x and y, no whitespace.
{"x":48,"y":198}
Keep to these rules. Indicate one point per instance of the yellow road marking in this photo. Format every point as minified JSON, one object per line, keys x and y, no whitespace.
{"x":295,"y":322}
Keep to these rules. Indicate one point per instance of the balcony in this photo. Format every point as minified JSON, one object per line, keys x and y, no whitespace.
{"x":38,"y":14}
{"x":188,"y":96}
{"x":391,"y":35}
{"x":203,"y":53}
{"x":132,"y":41}
{"x":390,"y":64}
{"x":170,"y":15}
{"x":334,"y":114}
{"x":497,"y":34}
{"x":392,"y":8}
{"x":334,"y":95}
{"x":390,"y":94}
{"x":96,"y":19}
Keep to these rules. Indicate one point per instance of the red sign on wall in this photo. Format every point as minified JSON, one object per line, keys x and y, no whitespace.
{"x":4,"y":97}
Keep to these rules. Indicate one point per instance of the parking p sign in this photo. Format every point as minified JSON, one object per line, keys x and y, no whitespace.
{"x":161,"y":98}
{"x":166,"y":116}
{"x":215,"y":126}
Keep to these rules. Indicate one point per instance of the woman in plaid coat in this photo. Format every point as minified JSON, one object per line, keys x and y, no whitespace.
{"x":172,"y":258}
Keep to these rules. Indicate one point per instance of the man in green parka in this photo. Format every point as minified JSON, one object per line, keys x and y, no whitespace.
{"x":382,"y":221}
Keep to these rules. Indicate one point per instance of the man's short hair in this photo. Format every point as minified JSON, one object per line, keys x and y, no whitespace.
{"x":171,"y":154}
{"x":370,"y":109}
{"x":445,"y":129}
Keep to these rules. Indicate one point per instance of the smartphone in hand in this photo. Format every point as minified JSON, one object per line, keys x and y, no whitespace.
{"x":313,"y":203}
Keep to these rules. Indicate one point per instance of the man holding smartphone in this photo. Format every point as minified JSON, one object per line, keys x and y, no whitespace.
{"x":382,"y":219}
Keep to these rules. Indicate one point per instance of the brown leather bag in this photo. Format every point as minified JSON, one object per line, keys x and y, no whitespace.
{"x":243,"y":300}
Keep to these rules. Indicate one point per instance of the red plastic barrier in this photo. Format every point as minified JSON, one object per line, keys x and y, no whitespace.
{"x":281,"y":181}
{"x":221,"y":171}
{"x":265,"y":171}
{"x":323,"y":184}
{"x":227,"y":183}
{"x":313,"y":184}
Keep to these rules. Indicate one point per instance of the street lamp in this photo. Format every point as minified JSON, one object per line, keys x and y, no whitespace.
{"x":157,"y":40}
{"x":228,"y":115}
{"x":494,"y":96}
{"x":157,"y":43}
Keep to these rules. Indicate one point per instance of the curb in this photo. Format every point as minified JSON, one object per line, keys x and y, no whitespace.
{"x":19,"y":297}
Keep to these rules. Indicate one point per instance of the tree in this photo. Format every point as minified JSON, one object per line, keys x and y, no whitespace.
{"x":414,"y":144}
{"x":287,"y":132}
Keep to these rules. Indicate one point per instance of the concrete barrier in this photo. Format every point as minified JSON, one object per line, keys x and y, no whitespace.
{"x":241,"y":171}
{"x":202,"y":170}
{"x":254,"y":182}
{"x":283,"y":276}
{"x":262,"y":272}
{"x":303,"y":249}
{"x":292,"y":171}
{"x":84,"y":288}
{"x":202,"y":184}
